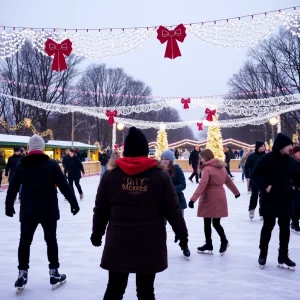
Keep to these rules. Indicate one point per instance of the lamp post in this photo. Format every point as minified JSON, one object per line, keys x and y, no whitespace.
{"x":121,"y":126}
{"x":273,"y":121}
{"x":74,"y":127}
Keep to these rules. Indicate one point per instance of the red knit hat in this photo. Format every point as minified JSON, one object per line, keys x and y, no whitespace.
{"x":296,"y":149}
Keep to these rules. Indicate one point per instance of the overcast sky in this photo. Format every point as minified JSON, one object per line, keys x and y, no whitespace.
{"x":202,"y":70}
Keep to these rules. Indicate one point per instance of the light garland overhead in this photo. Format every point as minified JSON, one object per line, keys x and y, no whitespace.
{"x":99,"y":43}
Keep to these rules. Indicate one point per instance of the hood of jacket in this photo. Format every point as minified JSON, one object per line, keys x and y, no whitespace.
{"x":280,"y":142}
{"x":34,"y":160}
{"x":215,"y":162}
{"x":135,"y":165}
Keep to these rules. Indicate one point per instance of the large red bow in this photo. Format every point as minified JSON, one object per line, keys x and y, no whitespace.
{"x":111,"y":115}
{"x":186,"y":102}
{"x":123,"y":144}
{"x":116,"y":146}
{"x":210,"y":114}
{"x":171,"y":36}
{"x":200,"y":126}
{"x":59,"y":50}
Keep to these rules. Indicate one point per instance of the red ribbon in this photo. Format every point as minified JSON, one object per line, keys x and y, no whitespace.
{"x":200,"y":126}
{"x":111,"y":115}
{"x":171,"y":36}
{"x":186,"y":102}
{"x":58,"y":50}
{"x":123,"y":144}
{"x":210,"y":114}
{"x":116,"y":146}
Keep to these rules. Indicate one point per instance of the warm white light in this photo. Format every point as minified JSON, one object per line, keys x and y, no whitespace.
{"x":162,"y":126}
{"x":273,"y":121}
{"x":120,"y":126}
{"x":205,"y":122}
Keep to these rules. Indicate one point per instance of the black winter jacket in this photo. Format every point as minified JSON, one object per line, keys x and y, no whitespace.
{"x":194,"y":158}
{"x":251,"y":162}
{"x":279,"y":171}
{"x":38,"y":175}
{"x":12,"y":166}
{"x":103,"y":158}
{"x":74,"y":167}
{"x":179,"y":184}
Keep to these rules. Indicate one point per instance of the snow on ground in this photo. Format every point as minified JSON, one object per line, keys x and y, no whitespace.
{"x":236,"y":275}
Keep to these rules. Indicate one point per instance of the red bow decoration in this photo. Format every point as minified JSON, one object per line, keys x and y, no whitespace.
{"x":116,"y":146}
{"x":59,"y":50}
{"x":200,"y":126}
{"x":123,"y":144}
{"x":186,"y":102}
{"x":171,"y":36}
{"x":111,"y":115}
{"x":210,"y":114}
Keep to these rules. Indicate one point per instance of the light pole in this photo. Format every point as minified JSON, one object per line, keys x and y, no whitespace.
{"x":273,"y":121}
{"x":121,"y":127}
{"x":74,"y":127}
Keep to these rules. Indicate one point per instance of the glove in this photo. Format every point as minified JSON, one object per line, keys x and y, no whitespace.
{"x":237,"y":196}
{"x":97,"y":242}
{"x":10,"y":211}
{"x":191,"y":204}
{"x":183,"y":243}
{"x":75,"y":210}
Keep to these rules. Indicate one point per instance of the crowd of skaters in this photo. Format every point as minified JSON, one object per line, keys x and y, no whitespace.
{"x":138,"y":196}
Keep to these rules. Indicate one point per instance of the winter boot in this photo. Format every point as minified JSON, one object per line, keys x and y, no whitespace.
{"x":191,"y":180}
{"x":284,"y":261}
{"x":224,"y":246}
{"x":295,"y":228}
{"x":207,"y":248}
{"x":262,"y":258}
{"x":81,"y":196}
{"x":21,"y":281}
{"x":56,"y":279}
{"x":251,"y":214}
{"x":186,"y":252}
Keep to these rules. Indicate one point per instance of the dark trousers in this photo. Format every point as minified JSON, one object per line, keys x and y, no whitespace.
{"x":28,"y":228}
{"x":195,"y":173}
{"x":216,"y":225}
{"x":228,"y":169}
{"x":255,"y":194}
{"x":117,"y":283}
{"x":76,"y":181}
{"x":284,"y":233}
{"x":295,"y":221}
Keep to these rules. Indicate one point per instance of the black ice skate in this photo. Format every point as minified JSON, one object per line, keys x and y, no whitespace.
{"x":56,"y":279}
{"x":284,"y":262}
{"x":262,"y":259}
{"x":206,"y":249}
{"x":21,"y":281}
{"x":295,"y":228}
{"x":223,"y":247}
{"x":251,"y":214}
{"x":186,"y":252}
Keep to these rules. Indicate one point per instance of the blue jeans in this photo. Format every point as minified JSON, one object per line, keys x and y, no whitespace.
{"x":103,"y":170}
{"x":243,"y":173}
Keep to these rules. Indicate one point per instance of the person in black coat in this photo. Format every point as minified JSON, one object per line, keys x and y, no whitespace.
{"x":103,"y":158}
{"x":194,"y":162}
{"x":176,"y":153}
{"x":12,"y":163}
{"x":73,"y":169}
{"x":295,"y":220}
{"x":274,"y":175}
{"x":38,"y":174}
{"x":251,"y":162}
{"x":228,"y":156}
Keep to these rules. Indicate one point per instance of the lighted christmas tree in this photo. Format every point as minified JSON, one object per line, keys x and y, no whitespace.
{"x":214,"y":140}
{"x":161,"y":142}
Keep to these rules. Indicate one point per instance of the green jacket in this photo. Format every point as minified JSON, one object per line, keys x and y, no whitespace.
{"x":2,"y":164}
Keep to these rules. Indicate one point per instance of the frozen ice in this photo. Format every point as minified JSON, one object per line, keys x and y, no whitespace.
{"x":236,"y":275}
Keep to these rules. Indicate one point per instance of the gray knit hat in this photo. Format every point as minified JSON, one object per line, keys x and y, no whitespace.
{"x":168,"y":154}
{"x":36,"y":143}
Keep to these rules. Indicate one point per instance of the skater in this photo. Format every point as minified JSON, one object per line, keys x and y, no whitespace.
{"x":178,"y":179}
{"x":243,"y":162}
{"x":295,"y":220}
{"x":274,"y":175}
{"x":176,"y":153}
{"x":73,"y":170}
{"x":213,"y":203}
{"x":38,"y":174}
{"x":2,"y":167}
{"x":103,"y":158}
{"x":194,"y":162}
{"x":133,"y":199}
{"x":228,"y":156}
{"x":260,"y":149}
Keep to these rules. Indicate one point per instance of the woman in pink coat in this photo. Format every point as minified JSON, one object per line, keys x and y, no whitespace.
{"x":213,"y":202}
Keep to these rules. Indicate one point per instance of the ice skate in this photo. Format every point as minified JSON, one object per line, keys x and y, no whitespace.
{"x":206,"y":249}
{"x":251,"y":214}
{"x":191,"y":180}
{"x":262,"y":259}
{"x":186,"y":252}
{"x":81,"y":196}
{"x":21,"y":281}
{"x":56,"y":279}
{"x":223,"y":247}
{"x":295,"y":229}
{"x":284,"y":262}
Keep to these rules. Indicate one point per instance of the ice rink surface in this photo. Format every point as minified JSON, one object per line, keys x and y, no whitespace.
{"x":235,"y":276}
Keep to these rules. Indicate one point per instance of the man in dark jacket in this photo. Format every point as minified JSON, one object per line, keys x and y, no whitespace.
{"x":251,"y":162}
{"x":12,"y":163}
{"x":103,"y":158}
{"x":73,"y":169}
{"x":274,"y":175}
{"x":228,"y":156}
{"x":132,"y":201}
{"x":194,"y":162}
{"x":38,"y":175}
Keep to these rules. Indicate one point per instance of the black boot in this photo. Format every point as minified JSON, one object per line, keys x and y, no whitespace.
{"x":56,"y":279}
{"x":197,"y":178}
{"x":21,"y":281}
{"x":262,"y":258}
{"x":284,"y":261}
{"x":224,"y":246}
{"x":295,"y":228}
{"x":207,"y":248}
